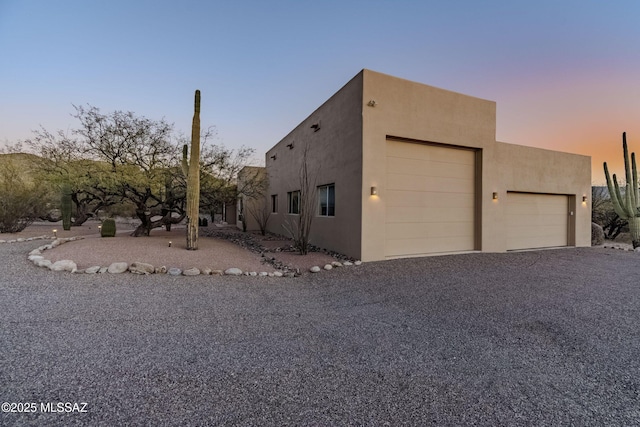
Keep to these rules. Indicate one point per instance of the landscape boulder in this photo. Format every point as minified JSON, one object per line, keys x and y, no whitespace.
{"x":597,"y":234}
{"x":92,"y":270}
{"x":233,"y":271}
{"x":141,"y":268}
{"x":117,"y":267}
{"x":64,"y":265}
{"x":191,"y":272}
{"x":175,"y":271}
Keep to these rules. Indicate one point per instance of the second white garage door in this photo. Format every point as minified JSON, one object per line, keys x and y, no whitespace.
{"x":537,"y":220}
{"x":429,"y":198}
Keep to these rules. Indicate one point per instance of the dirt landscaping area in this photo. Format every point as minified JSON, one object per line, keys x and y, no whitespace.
{"x":219,"y":248}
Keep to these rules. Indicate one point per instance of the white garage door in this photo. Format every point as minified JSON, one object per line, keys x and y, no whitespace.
{"x":537,"y":220}
{"x":429,"y":199}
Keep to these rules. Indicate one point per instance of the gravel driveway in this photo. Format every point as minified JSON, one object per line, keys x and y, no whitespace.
{"x":530,"y":338}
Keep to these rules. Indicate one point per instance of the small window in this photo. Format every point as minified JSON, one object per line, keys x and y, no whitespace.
{"x":327,"y":200}
{"x":274,"y":203}
{"x":293,"y":200}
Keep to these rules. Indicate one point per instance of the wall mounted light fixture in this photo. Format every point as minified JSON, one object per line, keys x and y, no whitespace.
{"x":372,"y":103}
{"x":495,"y":195}
{"x":316,"y":126}
{"x":584,"y":199}
{"x":273,"y":157}
{"x":290,"y":146}
{"x":374,"y":191}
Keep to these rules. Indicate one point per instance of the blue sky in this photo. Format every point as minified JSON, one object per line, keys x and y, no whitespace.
{"x":565,"y":74}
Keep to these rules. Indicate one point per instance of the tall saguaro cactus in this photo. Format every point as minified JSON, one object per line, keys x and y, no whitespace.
{"x":191,"y":169}
{"x":626,"y":205}
{"x":65,"y":206}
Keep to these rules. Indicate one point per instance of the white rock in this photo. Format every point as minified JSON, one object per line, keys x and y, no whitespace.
{"x":217,"y":272}
{"x":357,"y":263}
{"x":270,"y":274}
{"x":347,"y":263}
{"x":174,"y":271}
{"x":206,"y":272}
{"x":103,"y":270}
{"x":637,"y":249}
{"x":117,"y":267}
{"x":253,"y":273}
{"x":141,"y":268}
{"x":161,"y":270}
{"x":92,"y":270}
{"x":64,"y":265}
{"x":191,"y":272}
{"x":20,"y":239}
{"x":43,"y":263}
{"x":278,"y":274}
{"x":336,"y":264}
{"x":56,"y":243}
{"x":35,"y":252}
{"x":3,"y":241}
{"x":328,"y":267}
{"x":315,"y":269}
{"x":263,"y":273}
{"x":35,"y":258}
{"x":233,"y":271}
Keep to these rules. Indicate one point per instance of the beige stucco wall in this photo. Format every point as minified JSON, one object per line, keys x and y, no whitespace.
{"x":533,"y":170}
{"x":334,"y":155}
{"x":414,"y":111}
{"x":351,"y":146}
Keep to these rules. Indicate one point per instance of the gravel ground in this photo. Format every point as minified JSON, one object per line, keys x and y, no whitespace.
{"x":529,"y":338}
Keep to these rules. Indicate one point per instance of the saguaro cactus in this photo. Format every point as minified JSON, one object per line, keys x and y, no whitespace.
{"x":191,"y":169}
{"x":626,"y":205}
{"x":65,"y":206}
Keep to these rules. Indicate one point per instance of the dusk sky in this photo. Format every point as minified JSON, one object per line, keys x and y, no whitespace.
{"x":565,"y":74}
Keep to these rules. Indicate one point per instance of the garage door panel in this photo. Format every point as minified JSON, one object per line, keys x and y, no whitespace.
{"x":429,"y":198}
{"x":428,"y":168}
{"x":429,"y":184}
{"x":537,"y":220}
{"x":399,"y":198}
{"x":421,"y":214}
{"x":408,"y":247}
{"x":433,"y":153}
{"x":408,"y":230}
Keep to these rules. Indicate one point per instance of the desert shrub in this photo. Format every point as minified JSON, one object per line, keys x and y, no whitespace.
{"x":21,"y":201}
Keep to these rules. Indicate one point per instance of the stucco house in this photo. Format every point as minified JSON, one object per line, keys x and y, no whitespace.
{"x":402,"y":169}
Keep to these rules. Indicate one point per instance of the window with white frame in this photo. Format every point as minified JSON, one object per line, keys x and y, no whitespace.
{"x":293,"y":201}
{"x":327,"y":200}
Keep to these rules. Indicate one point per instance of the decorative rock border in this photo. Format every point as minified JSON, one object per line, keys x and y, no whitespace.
{"x":621,"y":248}
{"x":137,"y":267}
{"x":28,"y":239}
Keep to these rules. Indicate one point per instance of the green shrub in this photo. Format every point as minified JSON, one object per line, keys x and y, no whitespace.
{"x":108,"y":228}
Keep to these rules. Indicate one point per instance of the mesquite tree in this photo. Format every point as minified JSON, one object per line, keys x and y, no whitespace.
{"x":626,"y":205}
{"x":191,"y":169}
